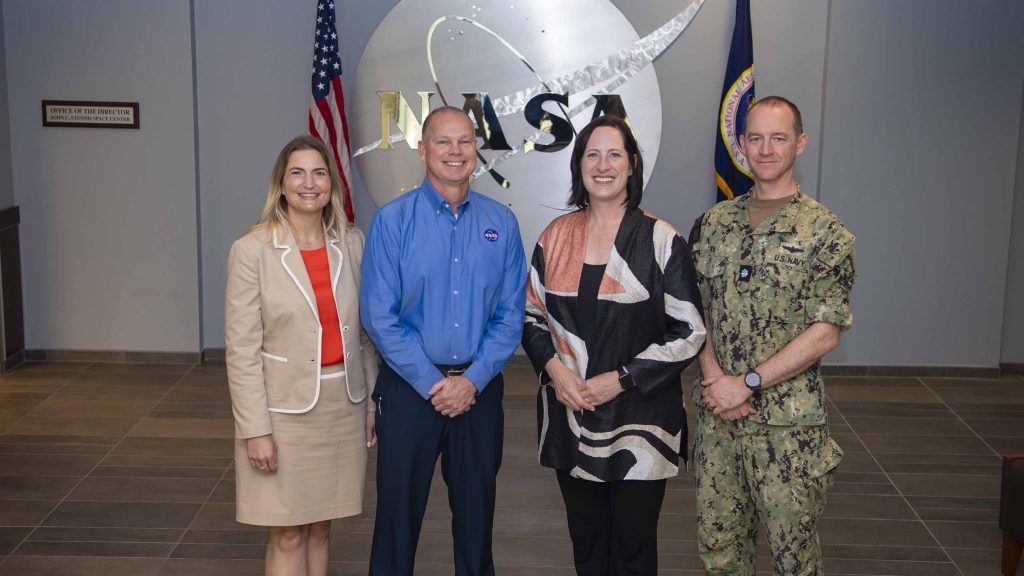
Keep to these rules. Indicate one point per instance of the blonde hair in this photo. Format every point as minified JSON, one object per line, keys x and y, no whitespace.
{"x":275,"y":210}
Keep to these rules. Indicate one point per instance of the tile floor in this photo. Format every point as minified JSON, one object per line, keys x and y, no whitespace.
{"x":110,"y":469}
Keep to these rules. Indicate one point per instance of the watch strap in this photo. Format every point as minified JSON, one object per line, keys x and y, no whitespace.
{"x":625,"y":378}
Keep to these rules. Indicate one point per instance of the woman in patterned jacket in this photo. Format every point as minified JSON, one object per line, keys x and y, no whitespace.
{"x":613,"y":316}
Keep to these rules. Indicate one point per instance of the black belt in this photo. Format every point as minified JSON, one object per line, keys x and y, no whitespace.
{"x":450,"y":370}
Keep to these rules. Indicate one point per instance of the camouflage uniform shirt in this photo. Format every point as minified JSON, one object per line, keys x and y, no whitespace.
{"x":763,"y":287}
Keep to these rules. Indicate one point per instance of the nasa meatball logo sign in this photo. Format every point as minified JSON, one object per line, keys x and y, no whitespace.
{"x":531,"y":74}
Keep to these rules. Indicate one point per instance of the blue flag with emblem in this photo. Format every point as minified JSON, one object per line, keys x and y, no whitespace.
{"x":732,"y":174}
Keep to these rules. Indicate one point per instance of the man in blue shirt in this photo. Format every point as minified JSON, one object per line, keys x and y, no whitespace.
{"x":443,"y":300}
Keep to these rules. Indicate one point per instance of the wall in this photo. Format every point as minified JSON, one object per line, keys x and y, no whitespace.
{"x":108,"y":216}
{"x":919,"y":152}
{"x":913,"y":111}
{"x":246,"y":113}
{"x":6,"y":181}
{"x":690,"y":74}
{"x":245,"y":117}
{"x":1013,"y":319}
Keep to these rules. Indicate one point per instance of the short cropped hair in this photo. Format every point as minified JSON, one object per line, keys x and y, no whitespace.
{"x":438,"y":111}
{"x":774,"y":101}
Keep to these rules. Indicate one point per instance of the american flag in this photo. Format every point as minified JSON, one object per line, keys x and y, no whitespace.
{"x":327,"y":108}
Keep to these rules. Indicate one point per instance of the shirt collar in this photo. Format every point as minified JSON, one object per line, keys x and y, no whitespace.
{"x":783,"y":220}
{"x":438,"y":203}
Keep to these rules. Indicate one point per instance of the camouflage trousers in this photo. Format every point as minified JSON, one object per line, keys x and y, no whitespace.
{"x":748,"y":472}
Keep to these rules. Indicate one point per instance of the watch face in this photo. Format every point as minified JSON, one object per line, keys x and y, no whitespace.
{"x":752,"y":380}
{"x":625,"y":379}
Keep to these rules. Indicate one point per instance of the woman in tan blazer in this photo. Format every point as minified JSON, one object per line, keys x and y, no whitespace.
{"x":299,"y":364}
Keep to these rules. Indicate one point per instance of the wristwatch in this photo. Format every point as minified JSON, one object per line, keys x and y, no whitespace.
{"x":753,"y":381}
{"x":625,"y":378}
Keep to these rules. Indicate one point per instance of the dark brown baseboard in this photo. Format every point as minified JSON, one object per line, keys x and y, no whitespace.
{"x":12,"y":361}
{"x":213,"y":355}
{"x":912,"y":371}
{"x":216,"y":355}
{"x":113,"y":356}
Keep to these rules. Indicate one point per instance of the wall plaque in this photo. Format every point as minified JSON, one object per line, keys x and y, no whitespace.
{"x":84,"y":114}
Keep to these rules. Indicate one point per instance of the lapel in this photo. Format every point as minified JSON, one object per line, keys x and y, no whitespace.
{"x":565,"y":253}
{"x":627,"y":228}
{"x":291,"y":260}
{"x":620,"y":283}
{"x":336,"y":259}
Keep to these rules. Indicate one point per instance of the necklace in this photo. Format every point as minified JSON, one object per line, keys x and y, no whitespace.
{"x":315,"y":243}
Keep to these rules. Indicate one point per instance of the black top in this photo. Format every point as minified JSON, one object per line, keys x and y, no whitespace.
{"x":586,"y":302}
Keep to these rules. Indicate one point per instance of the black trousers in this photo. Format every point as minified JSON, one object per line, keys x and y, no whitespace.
{"x":613,"y":525}
{"x":411,"y":435}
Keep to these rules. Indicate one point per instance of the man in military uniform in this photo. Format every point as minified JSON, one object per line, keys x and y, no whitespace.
{"x":775,"y":271}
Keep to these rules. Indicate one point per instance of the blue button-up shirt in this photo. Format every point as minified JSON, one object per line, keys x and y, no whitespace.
{"x":437,"y":289}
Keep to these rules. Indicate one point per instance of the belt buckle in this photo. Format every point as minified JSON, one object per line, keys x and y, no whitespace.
{"x":455,"y":372}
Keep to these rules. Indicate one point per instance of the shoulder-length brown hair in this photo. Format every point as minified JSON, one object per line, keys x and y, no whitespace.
{"x":579,"y":197}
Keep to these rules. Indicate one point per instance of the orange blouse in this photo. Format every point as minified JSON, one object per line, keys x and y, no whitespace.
{"x":319,"y":270}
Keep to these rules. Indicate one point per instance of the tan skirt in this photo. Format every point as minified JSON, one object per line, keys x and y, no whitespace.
{"x":321,"y":463}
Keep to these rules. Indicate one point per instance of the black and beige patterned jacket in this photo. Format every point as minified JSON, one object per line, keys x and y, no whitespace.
{"x":649,"y":319}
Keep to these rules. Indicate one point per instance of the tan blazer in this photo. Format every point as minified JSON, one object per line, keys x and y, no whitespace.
{"x":272,"y":329}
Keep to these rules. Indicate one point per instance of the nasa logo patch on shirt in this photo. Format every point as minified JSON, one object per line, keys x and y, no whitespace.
{"x":491,"y":235}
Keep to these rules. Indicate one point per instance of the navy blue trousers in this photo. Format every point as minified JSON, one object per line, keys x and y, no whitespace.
{"x":411,"y":435}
